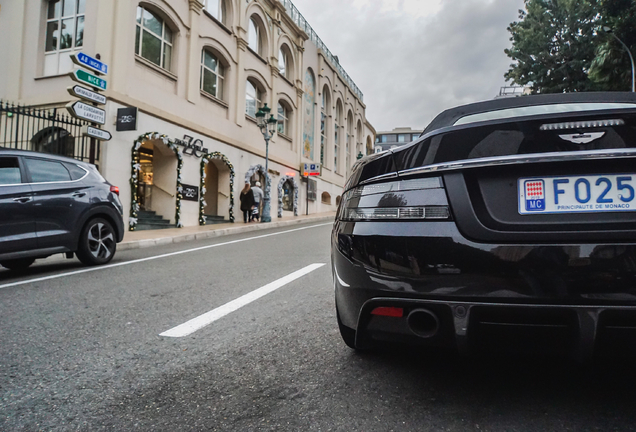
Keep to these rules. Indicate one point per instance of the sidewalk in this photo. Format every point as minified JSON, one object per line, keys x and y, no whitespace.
{"x":143,"y":239}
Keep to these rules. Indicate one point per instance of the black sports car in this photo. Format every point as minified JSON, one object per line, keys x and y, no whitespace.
{"x":508,"y":223}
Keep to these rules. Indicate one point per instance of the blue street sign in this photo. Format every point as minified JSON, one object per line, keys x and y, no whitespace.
{"x":89,"y":62}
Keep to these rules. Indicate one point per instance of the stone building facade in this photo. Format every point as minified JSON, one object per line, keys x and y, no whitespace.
{"x":197,"y":71}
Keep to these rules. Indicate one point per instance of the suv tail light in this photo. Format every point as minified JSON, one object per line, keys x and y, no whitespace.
{"x":115,"y":190}
{"x":417,"y":199}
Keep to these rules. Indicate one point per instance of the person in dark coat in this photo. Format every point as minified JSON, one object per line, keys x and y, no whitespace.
{"x":247,"y":202}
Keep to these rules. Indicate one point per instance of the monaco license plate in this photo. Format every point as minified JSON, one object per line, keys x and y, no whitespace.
{"x":577,"y":194}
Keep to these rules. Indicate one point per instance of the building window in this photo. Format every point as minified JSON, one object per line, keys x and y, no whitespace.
{"x":401,"y":138}
{"x":337,"y":126}
{"x":282,"y":63}
{"x":64,"y":34}
{"x":283,"y":119}
{"x":216,"y":8}
{"x":323,"y":125}
{"x":212,"y":74}
{"x":349,"y":139}
{"x":254,"y":36}
{"x":153,"y":40}
{"x":253,"y":98}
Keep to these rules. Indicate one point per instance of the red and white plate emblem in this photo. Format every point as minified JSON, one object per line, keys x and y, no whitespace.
{"x":534,"y":190}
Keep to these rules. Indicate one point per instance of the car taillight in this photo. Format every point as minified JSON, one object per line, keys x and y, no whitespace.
{"x":115,"y":190}
{"x":416,"y":199}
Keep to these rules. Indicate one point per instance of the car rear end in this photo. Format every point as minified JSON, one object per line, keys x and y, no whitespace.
{"x":505,"y":228}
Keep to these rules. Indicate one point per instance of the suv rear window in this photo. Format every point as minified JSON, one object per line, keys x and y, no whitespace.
{"x":9,"y":171}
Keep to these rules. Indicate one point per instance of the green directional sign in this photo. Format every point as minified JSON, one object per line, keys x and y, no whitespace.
{"x":81,"y":76}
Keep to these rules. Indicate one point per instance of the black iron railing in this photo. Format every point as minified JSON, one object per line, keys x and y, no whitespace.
{"x":48,"y":130}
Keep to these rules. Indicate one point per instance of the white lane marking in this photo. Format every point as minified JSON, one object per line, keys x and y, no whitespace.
{"x":155,"y":257}
{"x":207,"y":318}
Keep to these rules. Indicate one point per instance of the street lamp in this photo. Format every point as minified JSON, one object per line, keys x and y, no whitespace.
{"x":268,"y":128}
{"x":360,"y":156}
{"x":610,"y":31}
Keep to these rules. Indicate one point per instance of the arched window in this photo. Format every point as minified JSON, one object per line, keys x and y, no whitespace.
{"x":285,"y":62}
{"x":253,"y":98}
{"x":282,"y":62}
{"x":54,"y":140}
{"x":254,"y":36}
{"x":348,"y":142}
{"x":284,"y":114}
{"x":325,"y":198}
{"x":217,"y":9}
{"x":324,"y":111}
{"x":154,"y":39}
{"x":212,"y":74}
{"x":337,"y":135}
{"x":64,"y":34}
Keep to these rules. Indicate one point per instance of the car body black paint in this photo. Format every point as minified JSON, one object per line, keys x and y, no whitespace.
{"x":55,"y":213}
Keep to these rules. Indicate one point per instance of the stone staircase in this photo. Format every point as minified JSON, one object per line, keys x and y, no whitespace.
{"x":150,"y":220}
{"x":210,"y":219}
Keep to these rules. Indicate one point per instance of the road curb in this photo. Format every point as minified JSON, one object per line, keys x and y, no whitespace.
{"x":145,"y":243}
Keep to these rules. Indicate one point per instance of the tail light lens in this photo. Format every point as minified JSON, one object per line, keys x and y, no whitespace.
{"x":115,"y":190}
{"x":416,"y":199}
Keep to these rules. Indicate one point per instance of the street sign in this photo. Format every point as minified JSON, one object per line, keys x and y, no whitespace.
{"x":89,"y":62}
{"x":94,"y":132}
{"x":87,"y":112}
{"x":84,"y":77}
{"x":86,"y":94}
{"x":310,"y":169}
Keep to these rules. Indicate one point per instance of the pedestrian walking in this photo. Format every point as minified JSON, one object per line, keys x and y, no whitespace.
{"x":247,"y":202}
{"x":258,"y":199}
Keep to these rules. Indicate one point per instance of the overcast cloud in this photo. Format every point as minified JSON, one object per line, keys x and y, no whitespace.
{"x":415,"y":58}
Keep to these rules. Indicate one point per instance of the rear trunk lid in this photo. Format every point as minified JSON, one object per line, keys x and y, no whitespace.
{"x":542,"y":178}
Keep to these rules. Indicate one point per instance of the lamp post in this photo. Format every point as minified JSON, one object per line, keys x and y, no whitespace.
{"x":268,"y":128}
{"x":610,"y":31}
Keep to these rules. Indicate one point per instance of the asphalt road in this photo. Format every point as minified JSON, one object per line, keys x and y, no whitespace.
{"x":83,"y":350}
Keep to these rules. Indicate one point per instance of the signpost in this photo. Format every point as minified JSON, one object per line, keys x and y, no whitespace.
{"x":89,"y":62}
{"x":81,"y":110}
{"x":96,"y":133}
{"x":87,"y":112}
{"x":84,"y":77}
{"x":86,"y":94}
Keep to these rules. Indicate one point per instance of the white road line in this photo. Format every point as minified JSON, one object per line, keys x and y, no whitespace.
{"x":91,"y":269}
{"x":207,"y":318}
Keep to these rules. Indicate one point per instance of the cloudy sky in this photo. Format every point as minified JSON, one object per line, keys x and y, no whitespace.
{"x":415,"y":58}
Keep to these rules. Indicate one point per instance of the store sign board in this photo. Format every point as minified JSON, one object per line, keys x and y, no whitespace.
{"x":126,"y":119}
{"x":87,"y":112}
{"x":89,"y":62}
{"x":83,"y":77}
{"x":310,"y":169}
{"x":97,"y":133}
{"x":86,"y":94}
{"x":190,"y":193}
{"x":193,"y":147}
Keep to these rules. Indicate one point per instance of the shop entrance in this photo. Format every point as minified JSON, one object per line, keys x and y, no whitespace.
{"x":156,"y":187}
{"x":217,"y":182}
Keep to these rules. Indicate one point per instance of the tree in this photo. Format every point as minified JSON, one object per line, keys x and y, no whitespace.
{"x":553,"y":45}
{"x":611,"y":69}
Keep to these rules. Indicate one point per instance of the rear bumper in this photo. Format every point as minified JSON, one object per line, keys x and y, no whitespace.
{"x":580,"y":298}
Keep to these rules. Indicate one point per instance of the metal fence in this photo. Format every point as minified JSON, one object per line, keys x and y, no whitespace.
{"x":301,"y":22}
{"x":47,"y":130}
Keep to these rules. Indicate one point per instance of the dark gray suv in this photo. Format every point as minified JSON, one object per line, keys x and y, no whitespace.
{"x":53,"y":204}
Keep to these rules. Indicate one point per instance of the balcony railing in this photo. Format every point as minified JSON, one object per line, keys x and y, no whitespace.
{"x":301,"y":22}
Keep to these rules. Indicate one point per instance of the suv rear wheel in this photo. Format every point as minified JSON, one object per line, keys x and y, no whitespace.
{"x":18,"y":264}
{"x":97,"y":242}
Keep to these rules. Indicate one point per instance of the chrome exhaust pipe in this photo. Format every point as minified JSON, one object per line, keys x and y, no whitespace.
{"x":423,"y":323}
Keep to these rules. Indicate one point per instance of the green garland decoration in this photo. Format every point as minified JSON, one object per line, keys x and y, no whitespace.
{"x":134,"y":177}
{"x":204,"y":161}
